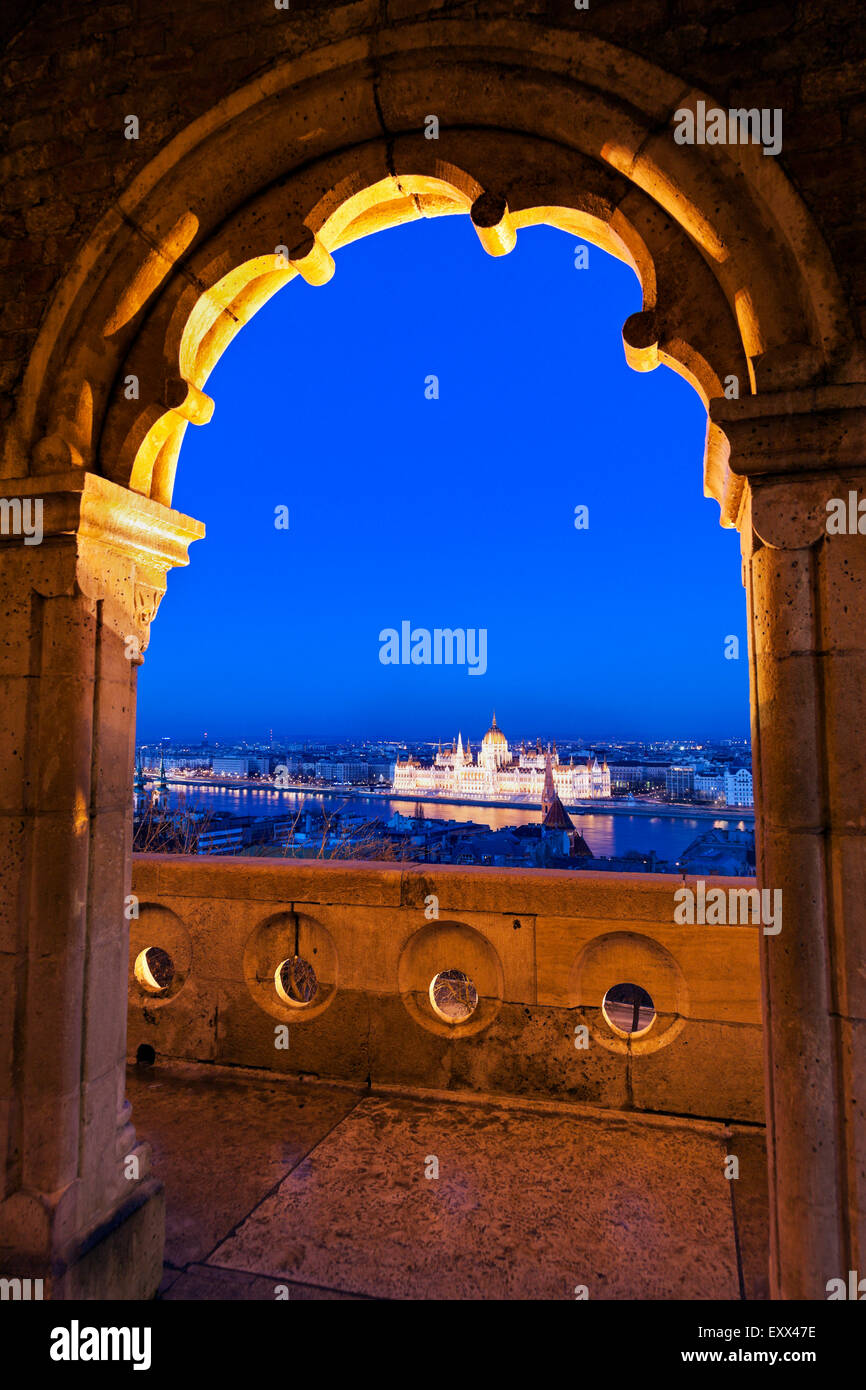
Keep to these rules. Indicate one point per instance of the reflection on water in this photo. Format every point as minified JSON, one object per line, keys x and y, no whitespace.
{"x":608,"y":835}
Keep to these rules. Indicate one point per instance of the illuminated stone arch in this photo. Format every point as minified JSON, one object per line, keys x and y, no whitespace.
{"x":559,"y":128}
{"x":567,"y":130}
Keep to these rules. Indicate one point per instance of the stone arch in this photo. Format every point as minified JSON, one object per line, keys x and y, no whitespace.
{"x":569,"y":130}
{"x":190,"y":326}
{"x":560,"y":127}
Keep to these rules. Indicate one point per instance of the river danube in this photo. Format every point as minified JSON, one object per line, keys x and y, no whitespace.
{"x":606,"y":834}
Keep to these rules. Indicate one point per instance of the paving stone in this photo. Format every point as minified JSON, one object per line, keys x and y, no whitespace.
{"x":200,"y":1283}
{"x":528,"y":1204}
{"x":751,"y":1207}
{"x":219,"y":1144}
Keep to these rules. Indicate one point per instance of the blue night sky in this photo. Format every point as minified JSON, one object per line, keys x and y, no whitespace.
{"x":456,"y":512}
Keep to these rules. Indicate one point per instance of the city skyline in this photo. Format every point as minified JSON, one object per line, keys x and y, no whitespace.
{"x":432,"y":458}
{"x":336,"y":737}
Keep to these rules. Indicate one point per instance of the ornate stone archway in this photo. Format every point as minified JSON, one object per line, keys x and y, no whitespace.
{"x":534,"y":125}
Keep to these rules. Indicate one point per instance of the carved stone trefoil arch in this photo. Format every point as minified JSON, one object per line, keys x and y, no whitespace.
{"x":536,"y":124}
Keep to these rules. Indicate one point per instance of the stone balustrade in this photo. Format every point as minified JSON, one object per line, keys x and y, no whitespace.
{"x":221,"y":950}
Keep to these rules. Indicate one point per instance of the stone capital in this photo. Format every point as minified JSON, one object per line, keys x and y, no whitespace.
{"x":793,"y":513}
{"x":775,"y":460}
{"x":102,"y":540}
{"x":814,"y":430}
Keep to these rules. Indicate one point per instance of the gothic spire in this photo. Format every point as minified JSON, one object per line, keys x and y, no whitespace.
{"x":548,"y":795}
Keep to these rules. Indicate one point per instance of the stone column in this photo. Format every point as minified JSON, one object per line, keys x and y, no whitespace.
{"x":806,"y":591}
{"x":79,"y":1208}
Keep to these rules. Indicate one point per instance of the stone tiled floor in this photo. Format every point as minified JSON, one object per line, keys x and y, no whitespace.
{"x":324,"y":1189}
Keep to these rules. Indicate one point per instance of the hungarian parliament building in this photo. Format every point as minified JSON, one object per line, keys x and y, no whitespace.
{"x":503,"y":773}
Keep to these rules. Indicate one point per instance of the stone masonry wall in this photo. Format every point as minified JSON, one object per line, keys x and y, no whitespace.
{"x":541,"y":948}
{"x":72,"y":71}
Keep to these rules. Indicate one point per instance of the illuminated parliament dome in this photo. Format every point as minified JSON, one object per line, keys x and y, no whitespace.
{"x":494,"y":734}
{"x":494,"y":747}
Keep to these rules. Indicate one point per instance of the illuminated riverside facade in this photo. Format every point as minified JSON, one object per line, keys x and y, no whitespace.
{"x":499,"y":772}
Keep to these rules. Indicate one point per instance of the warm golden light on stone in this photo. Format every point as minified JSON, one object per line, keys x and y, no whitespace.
{"x":131,"y":266}
{"x":494,"y":225}
{"x":311,"y":259}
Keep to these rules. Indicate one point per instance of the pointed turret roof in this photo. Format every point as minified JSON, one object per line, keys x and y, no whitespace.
{"x":579,"y":848}
{"x":557,"y":818}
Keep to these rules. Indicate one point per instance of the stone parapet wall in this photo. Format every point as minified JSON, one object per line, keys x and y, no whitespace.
{"x":542,"y":948}
{"x":131,"y":263}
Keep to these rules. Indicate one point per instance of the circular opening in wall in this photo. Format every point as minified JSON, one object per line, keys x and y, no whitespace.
{"x":628,"y":1010}
{"x":453,"y":996}
{"x":296,"y":982}
{"x":145,"y":1056}
{"x":154,"y":970}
